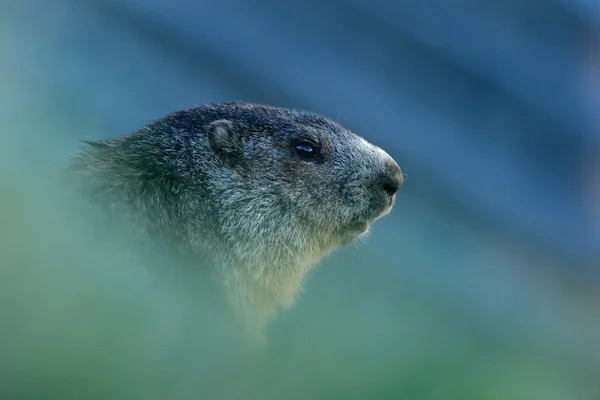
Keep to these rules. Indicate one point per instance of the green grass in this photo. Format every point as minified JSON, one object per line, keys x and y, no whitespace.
{"x":78,"y":323}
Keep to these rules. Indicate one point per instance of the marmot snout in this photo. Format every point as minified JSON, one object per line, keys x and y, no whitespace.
{"x":263,"y":192}
{"x":386,"y":181}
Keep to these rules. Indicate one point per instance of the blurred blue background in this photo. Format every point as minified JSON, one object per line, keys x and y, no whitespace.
{"x":490,"y":108}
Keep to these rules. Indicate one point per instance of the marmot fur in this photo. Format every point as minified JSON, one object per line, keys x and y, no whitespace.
{"x":260,"y":192}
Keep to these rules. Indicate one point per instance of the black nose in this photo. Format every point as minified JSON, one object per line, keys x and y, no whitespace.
{"x":391,"y":184}
{"x":393,"y":180}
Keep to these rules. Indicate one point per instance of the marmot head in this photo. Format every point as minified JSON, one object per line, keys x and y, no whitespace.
{"x":297,"y":172}
{"x":263,"y":191}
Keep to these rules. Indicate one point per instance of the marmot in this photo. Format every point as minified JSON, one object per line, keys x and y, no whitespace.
{"x":261,"y":192}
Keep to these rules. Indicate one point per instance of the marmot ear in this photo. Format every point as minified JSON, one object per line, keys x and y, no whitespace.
{"x":223,"y":137}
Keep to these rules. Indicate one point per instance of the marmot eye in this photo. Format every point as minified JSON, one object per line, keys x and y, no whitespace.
{"x":306,"y":150}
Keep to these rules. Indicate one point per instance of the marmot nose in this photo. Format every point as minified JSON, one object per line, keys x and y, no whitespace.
{"x":391,"y":184}
{"x":393,"y":179}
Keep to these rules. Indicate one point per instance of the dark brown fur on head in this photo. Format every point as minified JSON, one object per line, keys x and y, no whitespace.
{"x":261,"y":192}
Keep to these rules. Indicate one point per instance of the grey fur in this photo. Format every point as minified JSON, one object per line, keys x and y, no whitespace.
{"x":223,"y":182}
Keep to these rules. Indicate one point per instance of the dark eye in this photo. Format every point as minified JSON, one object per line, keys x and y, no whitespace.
{"x":306,"y":150}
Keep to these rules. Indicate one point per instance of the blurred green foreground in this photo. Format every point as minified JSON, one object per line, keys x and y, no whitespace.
{"x":76,"y":324}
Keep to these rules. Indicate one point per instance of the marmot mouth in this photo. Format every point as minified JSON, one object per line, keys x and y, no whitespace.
{"x":352,"y":232}
{"x":359,"y":227}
